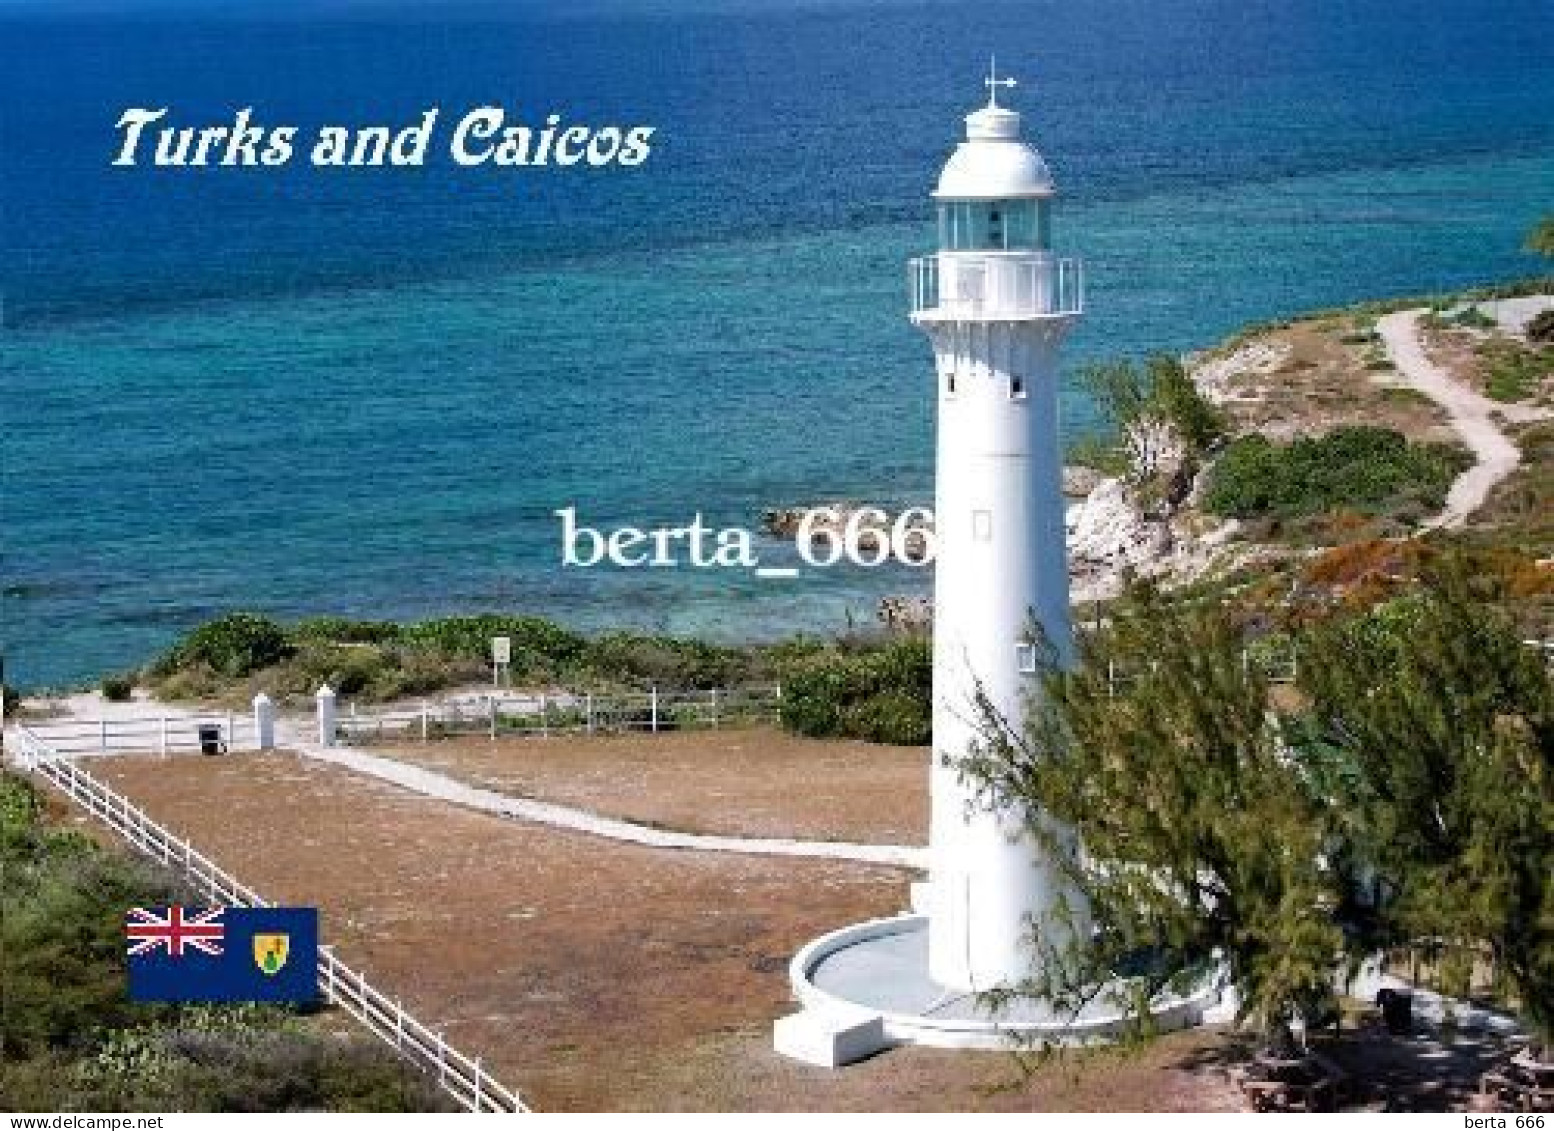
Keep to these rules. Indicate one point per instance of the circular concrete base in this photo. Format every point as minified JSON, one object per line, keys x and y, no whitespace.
{"x":881,"y":968}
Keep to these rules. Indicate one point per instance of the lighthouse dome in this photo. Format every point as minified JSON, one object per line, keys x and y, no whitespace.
{"x":993,"y":163}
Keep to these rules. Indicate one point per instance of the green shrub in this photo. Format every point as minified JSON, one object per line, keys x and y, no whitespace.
{"x":1354,"y":467}
{"x":1541,"y":328}
{"x":539,"y":646}
{"x":235,"y":645}
{"x":1474,"y":317}
{"x":1514,"y":371}
{"x":117,"y":688}
{"x":666,"y":660}
{"x":882,"y":696}
{"x":10,"y":700}
{"x":344,"y":630}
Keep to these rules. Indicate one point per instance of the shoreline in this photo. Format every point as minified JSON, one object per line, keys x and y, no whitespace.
{"x":1117,"y":541}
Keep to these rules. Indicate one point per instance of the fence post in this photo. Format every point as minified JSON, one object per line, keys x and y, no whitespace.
{"x":102,"y":734}
{"x":478,"y":1104}
{"x":425,"y":722}
{"x":325,"y":697}
{"x":714,"y":708}
{"x":492,"y":712}
{"x":544,"y":717}
{"x":163,"y":745}
{"x":264,"y":722}
{"x":653,"y":702}
{"x":588,"y":712}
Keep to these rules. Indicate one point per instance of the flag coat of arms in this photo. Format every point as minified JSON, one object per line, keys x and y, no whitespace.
{"x":222,"y":953}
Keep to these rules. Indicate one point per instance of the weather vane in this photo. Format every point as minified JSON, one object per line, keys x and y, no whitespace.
{"x":993,"y":82}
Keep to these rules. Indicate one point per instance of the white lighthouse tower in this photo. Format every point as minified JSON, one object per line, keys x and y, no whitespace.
{"x":996,"y":303}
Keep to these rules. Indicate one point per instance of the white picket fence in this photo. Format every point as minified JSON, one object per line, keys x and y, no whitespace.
{"x":169,"y":734}
{"x":461,"y":1076}
{"x":522,"y":715}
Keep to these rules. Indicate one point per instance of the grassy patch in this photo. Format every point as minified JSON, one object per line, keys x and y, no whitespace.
{"x":1514,"y":372}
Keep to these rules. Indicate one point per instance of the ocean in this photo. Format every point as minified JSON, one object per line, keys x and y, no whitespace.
{"x":366,"y":391}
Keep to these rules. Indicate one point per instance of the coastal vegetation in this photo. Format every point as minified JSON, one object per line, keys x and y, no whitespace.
{"x":71,"y":1041}
{"x":1352,"y":467}
{"x":1515,"y":372}
{"x":1161,"y":425}
{"x":1397,"y":794}
{"x":881,"y":695}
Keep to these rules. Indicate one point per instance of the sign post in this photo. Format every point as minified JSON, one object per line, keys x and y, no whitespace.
{"x":501,"y":658}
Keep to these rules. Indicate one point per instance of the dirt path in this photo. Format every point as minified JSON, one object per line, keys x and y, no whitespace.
{"x":1471,"y":416}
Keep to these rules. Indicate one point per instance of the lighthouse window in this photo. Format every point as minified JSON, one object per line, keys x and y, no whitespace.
{"x":1025,"y":658}
{"x":1017,"y":388}
{"x":993,"y":225}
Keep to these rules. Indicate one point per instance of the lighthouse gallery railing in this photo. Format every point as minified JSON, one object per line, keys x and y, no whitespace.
{"x":956,"y":285}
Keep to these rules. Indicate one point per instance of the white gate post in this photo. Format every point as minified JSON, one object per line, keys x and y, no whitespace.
{"x":264,"y":722}
{"x":654,"y":703}
{"x":588,"y":712}
{"x":164,"y":736}
{"x":544,"y":717}
{"x":325,"y":697}
{"x":424,"y":721}
{"x":714,"y":708}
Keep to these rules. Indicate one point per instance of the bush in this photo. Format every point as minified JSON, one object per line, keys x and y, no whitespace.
{"x":118,"y":688}
{"x":1541,"y":328}
{"x":343,"y":630}
{"x":10,"y":700}
{"x":1359,"y":467}
{"x":881,"y":696}
{"x":235,"y":645}
{"x":666,"y":660}
{"x":1514,"y":371}
{"x":539,"y":646}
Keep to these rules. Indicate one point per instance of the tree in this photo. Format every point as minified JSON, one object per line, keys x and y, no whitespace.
{"x":1402,"y":793}
{"x":1200,"y":834}
{"x":1158,"y":413}
{"x":1447,"y":720}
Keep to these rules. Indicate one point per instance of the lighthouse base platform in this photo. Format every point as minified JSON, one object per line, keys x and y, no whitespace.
{"x":865,"y":988}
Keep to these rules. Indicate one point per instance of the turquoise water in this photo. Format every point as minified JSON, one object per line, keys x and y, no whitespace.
{"x":303,"y":395}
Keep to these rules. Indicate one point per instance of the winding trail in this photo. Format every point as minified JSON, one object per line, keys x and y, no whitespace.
{"x":1470,"y":414}
{"x":430,"y":783}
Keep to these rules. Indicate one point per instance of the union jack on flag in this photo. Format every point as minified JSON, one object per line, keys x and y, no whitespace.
{"x":146,"y":932}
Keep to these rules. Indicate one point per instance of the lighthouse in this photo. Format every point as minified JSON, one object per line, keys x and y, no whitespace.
{"x":996,"y":302}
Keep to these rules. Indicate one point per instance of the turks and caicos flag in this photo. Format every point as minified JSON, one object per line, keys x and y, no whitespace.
{"x":222,"y":953}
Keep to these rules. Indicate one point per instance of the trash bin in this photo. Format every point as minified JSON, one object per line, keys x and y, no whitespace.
{"x":210,"y":739}
{"x":1397,"y":1009}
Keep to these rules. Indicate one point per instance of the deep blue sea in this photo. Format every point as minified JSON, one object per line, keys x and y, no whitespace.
{"x":365,"y":391}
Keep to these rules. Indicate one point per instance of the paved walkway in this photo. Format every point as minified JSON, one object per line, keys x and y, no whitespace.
{"x":1471,"y":416}
{"x":444,"y":788}
{"x":299,"y":734}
